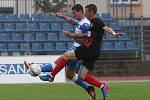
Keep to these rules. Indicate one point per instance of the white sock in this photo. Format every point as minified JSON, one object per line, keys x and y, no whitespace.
{"x":75,"y":78}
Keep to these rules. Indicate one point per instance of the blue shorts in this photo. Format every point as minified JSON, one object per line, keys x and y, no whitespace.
{"x":72,"y":63}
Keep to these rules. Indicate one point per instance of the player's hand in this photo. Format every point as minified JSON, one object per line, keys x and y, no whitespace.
{"x":58,"y":14}
{"x":67,"y":33}
{"x":118,"y":34}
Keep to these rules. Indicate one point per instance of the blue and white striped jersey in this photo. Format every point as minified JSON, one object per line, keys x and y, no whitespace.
{"x":82,"y":27}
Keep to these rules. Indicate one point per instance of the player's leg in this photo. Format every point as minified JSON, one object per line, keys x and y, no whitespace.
{"x":62,"y":62}
{"x":59,"y":65}
{"x":71,"y":74}
{"x":84,"y":75}
{"x":89,"y":56}
{"x":84,"y":54}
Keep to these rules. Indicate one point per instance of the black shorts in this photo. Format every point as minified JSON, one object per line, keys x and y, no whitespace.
{"x":87,"y":55}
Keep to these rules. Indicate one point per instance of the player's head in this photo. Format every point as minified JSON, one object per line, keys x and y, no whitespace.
{"x":78,"y":11}
{"x":90,"y":11}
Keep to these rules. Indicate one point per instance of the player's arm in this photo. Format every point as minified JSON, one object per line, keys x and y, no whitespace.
{"x":84,"y":32}
{"x":80,"y":37}
{"x":111,"y":31}
{"x":101,"y":25}
{"x":67,"y":19}
{"x":76,"y":36}
{"x":106,"y":28}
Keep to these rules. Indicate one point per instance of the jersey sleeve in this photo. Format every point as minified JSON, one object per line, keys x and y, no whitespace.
{"x":76,"y":22}
{"x":100,"y":24}
{"x":85,"y":28}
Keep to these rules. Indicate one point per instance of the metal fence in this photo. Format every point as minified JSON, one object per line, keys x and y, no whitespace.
{"x":16,"y":6}
{"x":31,"y":6}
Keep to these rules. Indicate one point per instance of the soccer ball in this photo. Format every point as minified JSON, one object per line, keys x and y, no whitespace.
{"x":35,"y":70}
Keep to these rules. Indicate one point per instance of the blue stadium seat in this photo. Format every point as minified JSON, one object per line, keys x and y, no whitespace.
{"x":56,"y":27}
{"x":62,"y":37}
{"x":17,"y":37}
{"x":29,"y":37}
{"x":131,"y":45}
{"x":13,"y":47}
{"x":24,"y":17}
{"x":24,"y":47}
{"x":120,"y":46}
{"x":3,"y":47}
{"x":61,"y":46}
{"x":5,"y":37}
{"x":104,"y":37}
{"x":41,"y":37}
{"x":37,"y":17}
{"x":20,"y":27}
{"x":9,"y":27}
{"x":106,"y":16}
{"x":49,"y":47}
{"x":116,"y":26}
{"x":2,"y":17}
{"x":67,"y":26}
{"x":124,"y":37}
{"x":110,"y":37}
{"x":44,"y":27}
{"x":58,"y":19}
{"x":48,"y":17}
{"x":53,"y":37}
{"x":114,"y":23}
{"x":12,"y":17}
{"x":32,"y":27}
{"x":108,"y":46}
{"x":37,"y":47}
{"x":1,"y":27}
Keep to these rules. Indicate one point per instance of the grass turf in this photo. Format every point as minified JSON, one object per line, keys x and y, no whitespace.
{"x":118,"y":91}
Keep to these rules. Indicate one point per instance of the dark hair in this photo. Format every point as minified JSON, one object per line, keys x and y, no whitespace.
{"x":92,"y":7}
{"x":78,"y":8}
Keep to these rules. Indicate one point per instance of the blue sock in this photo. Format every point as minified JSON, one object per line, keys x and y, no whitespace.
{"x":46,"y":68}
{"x":79,"y":82}
{"x":82,"y":83}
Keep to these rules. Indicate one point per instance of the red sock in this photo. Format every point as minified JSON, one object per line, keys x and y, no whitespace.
{"x":59,"y":66}
{"x":91,"y":80}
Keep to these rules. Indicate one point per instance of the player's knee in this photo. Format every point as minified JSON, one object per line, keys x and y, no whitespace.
{"x":82,"y":72}
{"x":66,"y":56}
{"x":69,"y":55}
{"x":81,"y":76}
{"x":70,"y":74}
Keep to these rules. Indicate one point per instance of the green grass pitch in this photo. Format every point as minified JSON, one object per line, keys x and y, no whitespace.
{"x":118,"y":91}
